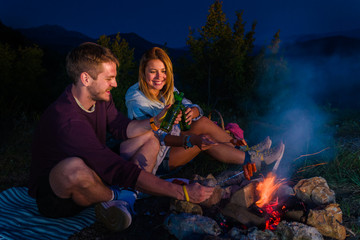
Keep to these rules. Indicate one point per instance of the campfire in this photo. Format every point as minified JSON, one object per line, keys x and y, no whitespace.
{"x":266,"y":190}
{"x":263,"y":207}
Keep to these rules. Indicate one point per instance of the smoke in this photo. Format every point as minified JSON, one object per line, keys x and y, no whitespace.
{"x":299,"y":111}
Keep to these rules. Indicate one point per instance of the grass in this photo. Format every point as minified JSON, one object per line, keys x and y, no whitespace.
{"x":15,"y":152}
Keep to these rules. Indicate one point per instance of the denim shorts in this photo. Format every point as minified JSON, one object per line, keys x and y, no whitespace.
{"x":164,"y":168}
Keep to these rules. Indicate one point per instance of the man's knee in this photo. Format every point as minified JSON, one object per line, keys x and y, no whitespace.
{"x":73,"y":171}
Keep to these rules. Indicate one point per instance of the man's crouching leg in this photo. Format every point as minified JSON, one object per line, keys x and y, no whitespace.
{"x":70,"y":187}
{"x":117,"y":214}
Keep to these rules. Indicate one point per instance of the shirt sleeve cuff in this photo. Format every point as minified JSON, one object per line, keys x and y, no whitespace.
{"x":161,"y":136}
{"x":201,"y":112}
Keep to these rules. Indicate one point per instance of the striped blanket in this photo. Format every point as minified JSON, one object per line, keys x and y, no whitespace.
{"x":20,"y":218}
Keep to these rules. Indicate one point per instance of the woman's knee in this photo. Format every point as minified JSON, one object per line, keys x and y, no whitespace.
{"x":202,"y":125}
{"x":152,"y":140}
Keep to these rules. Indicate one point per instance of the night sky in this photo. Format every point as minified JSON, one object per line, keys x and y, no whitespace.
{"x":162,"y":21}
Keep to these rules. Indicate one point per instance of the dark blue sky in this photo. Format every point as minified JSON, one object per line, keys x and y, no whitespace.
{"x":161,"y":21}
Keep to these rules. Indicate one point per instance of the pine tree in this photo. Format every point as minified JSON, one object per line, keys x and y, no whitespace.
{"x":222,"y":58}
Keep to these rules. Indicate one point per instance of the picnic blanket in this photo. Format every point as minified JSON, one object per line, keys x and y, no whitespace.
{"x":20,"y":218}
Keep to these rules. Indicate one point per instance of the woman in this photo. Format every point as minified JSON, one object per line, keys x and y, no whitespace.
{"x":155,"y":90}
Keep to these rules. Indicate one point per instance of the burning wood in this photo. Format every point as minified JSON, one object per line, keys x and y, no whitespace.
{"x":243,"y":215}
{"x":245,"y":197}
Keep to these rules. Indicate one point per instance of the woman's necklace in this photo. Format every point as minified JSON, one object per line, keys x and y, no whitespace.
{"x":92,"y":109}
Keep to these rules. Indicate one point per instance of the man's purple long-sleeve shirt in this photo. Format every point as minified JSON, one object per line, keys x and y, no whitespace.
{"x":65,"y":130}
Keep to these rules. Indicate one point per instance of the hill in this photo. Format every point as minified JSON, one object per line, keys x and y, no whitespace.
{"x":61,"y":40}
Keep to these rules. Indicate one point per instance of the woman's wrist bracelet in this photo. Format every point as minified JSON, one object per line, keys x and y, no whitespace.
{"x":186,"y":193}
{"x":187,"y":144}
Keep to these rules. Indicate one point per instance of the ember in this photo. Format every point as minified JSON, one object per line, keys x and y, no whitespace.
{"x":274,"y":215}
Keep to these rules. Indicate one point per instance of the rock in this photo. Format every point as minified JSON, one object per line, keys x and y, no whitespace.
{"x":285,"y":192}
{"x":210,"y":180}
{"x":314,"y":190}
{"x":188,"y":226}
{"x":328,"y":221}
{"x":237,"y":234}
{"x":297,"y":231}
{"x":256,"y":234}
{"x":296,"y":215}
{"x":185,"y":207}
{"x":218,"y":193}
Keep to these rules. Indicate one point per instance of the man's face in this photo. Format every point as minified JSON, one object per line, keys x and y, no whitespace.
{"x":99,"y":89}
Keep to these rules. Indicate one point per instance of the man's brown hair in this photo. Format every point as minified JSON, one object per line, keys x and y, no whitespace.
{"x":88,"y":57}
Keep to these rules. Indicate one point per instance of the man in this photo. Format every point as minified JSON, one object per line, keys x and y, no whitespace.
{"x":72,"y":168}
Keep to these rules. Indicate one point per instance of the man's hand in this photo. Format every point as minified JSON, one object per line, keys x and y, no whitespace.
{"x":198,"y":193}
{"x":203,"y":141}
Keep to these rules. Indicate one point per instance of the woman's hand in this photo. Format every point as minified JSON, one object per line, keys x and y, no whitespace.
{"x":204,"y":142}
{"x":189,"y":115}
{"x":178,"y":118}
{"x":159,"y":118}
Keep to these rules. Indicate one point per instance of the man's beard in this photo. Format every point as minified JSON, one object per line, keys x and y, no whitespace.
{"x":97,"y":95}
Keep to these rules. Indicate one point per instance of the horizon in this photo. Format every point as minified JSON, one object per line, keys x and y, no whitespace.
{"x":169,"y":23}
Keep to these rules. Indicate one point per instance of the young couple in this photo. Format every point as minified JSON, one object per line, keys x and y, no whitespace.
{"x":72,"y":168}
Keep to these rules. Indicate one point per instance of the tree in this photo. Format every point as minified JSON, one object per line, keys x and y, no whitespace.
{"x":21,"y":72}
{"x":222,"y":59}
{"x":125,"y":72}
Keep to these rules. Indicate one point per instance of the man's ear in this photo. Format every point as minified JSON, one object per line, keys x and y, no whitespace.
{"x":85,"y":78}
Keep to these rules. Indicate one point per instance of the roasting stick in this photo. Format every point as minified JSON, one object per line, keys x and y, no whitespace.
{"x":231,"y":177}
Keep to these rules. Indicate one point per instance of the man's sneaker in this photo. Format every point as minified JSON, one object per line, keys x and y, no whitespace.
{"x":262,"y":146}
{"x":268,"y":156}
{"x":115,"y":215}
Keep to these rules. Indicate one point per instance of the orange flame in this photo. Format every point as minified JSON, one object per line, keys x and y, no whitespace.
{"x":267,"y":188}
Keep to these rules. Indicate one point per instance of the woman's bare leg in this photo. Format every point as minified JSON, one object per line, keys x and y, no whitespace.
{"x":224,"y":151}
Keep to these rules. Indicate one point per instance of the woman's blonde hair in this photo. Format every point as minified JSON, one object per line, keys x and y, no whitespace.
{"x":168,"y":90}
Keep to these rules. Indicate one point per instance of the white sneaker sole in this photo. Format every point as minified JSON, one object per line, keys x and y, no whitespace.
{"x":115,"y":218}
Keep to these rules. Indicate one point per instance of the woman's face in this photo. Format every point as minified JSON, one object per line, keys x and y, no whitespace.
{"x":155,"y":74}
